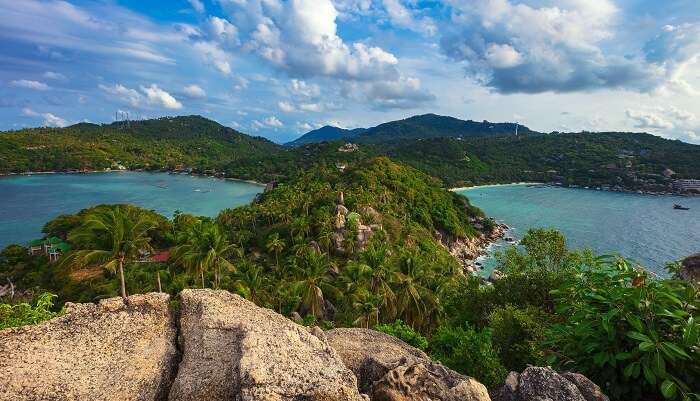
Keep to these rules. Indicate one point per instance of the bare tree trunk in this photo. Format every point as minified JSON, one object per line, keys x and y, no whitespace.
{"x":121,"y":276}
{"x":202,"y":273}
{"x":160,"y":289}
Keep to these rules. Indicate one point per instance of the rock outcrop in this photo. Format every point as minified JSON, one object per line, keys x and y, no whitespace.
{"x":109,"y":351}
{"x":232,"y":348}
{"x":388,"y":369}
{"x":690,"y":270}
{"x":538,"y":383}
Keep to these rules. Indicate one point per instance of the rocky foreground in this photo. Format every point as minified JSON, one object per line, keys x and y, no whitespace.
{"x":218,"y":346}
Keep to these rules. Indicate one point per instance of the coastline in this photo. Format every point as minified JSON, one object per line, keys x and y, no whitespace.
{"x":29,"y":173}
{"x":459,"y":189}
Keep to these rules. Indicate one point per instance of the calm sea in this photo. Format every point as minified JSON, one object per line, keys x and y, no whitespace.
{"x":645,"y":228}
{"x":27,"y":202}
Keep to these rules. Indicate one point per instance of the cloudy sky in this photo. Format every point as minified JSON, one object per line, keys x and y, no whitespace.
{"x":278,"y":68}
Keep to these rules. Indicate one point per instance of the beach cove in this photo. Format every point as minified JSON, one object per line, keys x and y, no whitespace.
{"x":29,"y":201}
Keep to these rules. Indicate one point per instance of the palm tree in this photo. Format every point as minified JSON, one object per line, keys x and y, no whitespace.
{"x":205,"y":248}
{"x":414,"y":301}
{"x":314,"y":283}
{"x":275,"y":244}
{"x":114,"y":236}
{"x":368,"y":306}
{"x":249,"y":281}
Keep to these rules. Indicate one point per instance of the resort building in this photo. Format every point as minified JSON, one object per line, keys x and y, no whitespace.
{"x":686,"y":185}
{"x":52,"y":247}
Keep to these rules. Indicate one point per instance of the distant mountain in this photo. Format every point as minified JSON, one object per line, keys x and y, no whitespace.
{"x":326,"y":134}
{"x":424,"y":126}
{"x":428,"y":126}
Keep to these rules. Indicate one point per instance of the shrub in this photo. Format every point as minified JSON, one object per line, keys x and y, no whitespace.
{"x":636,"y":336}
{"x":469,"y":352}
{"x":24,"y":314}
{"x":517,"y":336}
{"x":405,"y":333}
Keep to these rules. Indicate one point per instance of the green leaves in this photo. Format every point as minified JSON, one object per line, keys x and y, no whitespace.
{"x":668,"y":389}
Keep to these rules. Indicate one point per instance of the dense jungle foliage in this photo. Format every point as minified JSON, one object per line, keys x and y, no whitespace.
{"x":458,"y":152}
{"x":636,"y":336}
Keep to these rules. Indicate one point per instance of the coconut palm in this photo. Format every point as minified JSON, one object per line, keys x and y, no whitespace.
{"x":249,"y":281}
{"x":276,"y":245}
{"x":413,"y":300}
{"x":112,"y":237}
{"x":314,"y":283}
{"x":205,"y":248}
{"x":368,"y":307}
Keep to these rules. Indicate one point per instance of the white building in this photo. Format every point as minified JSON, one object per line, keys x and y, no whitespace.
{"x":686,"y":185}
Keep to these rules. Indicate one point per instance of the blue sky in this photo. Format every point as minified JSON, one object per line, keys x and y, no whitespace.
{"x":278,"y":68}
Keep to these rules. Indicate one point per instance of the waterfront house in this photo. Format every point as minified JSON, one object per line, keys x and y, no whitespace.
{"x":686,"y":185}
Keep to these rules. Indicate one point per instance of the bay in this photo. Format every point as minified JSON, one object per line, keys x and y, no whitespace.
{"x":28,"y":202}
{"x":645,"y":228}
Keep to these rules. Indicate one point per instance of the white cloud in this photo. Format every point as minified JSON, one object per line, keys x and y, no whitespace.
{"x":270,"y":122}
{"x":300,"y":37}
{"x":222,"y":31}
{"x":29,"y":84}
{"x":403,"y":17}
{"x":514,"y":46}
{"x":214,"y":55}
{"x":316,"y":107}
{"x":194,"y":91}
{"x":668,"y":121}
{"x":404,"y":93}
{"x":54,"y":75}
{"x":648,"y":120}
{"x":197,"y":5}
{"x":50,"y":119}
{"x":159,"y":97}
{"x":286,"y":106}
{"x":301,"y":88}
{"x":150,"y":96}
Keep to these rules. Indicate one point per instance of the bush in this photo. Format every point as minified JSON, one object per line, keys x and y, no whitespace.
{"x":405,"y":333}
{"x":469,"y":352}
{"x":636,"y":336}
{"x":24,"y":314}
{"x":517,"y":336}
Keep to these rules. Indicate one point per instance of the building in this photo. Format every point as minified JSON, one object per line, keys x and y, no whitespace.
{"x":686,"y":185}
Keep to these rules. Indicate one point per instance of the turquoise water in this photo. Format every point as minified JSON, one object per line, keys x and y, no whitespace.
{"x":645,"y":228}
{"x":27,"y":202}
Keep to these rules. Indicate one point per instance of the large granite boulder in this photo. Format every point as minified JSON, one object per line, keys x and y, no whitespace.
{"x":388,"y":369}
{"x":233,"y":349}
{"x":690,"y":270}
{"x":543,"y":383}
{"x":109,"y":351}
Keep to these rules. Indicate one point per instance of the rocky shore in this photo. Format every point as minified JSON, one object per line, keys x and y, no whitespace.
{"x":467,"y":250}
{"x":217,"y":346}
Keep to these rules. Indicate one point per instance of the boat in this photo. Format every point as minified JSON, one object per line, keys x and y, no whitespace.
{"x":680,"y":207}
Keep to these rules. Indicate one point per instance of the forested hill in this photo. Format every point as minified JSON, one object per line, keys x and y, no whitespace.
{"x":627,"y":160}
{"x":163,"y":143}
{"x":326,"y":133}
{"x":416,"y":127}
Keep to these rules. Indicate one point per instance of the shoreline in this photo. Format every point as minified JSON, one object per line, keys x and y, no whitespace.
{"x":30,"y":173}
{"x":458,"y":189}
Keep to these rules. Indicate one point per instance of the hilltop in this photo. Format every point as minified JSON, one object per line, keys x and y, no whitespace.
{"x":166,"y":143}
{"x":325,"y":134}
{"x":417,"y":127}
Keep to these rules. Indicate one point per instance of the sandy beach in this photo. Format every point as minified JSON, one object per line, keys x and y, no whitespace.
{"x":494,"y":185}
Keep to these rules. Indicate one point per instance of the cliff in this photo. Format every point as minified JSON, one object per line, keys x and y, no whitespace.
{"x":218,"y":346}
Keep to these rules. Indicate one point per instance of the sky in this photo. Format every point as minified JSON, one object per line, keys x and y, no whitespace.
{"x":279,"y":68}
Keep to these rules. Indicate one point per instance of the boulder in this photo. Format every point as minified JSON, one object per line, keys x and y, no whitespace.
{"x":690,"y":270}
{"x":543,"y":383}
{"x":233,"y":349}
{"x":341,"y":209}
{"x":97,"y":352}
{"x":388,"y":369}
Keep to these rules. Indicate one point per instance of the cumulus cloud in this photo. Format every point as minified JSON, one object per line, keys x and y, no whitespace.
{"x":29,"y":84}
{"x":515,"y":47}
{"x":149,"y":96}
{"x":404,"y":93}
{"x":197,"y":5}
{"x":403,"y":17}
{"x":194,"y":91}
{"x":286,"y":106}
{"x":302,"y":88}
{"x":50,"y":119}
{"x":648,"y":120}
{"x":223,"y":31}
{"x":270,"y":122}
{"x":300,"y":37}
{"x":214,"y":55}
